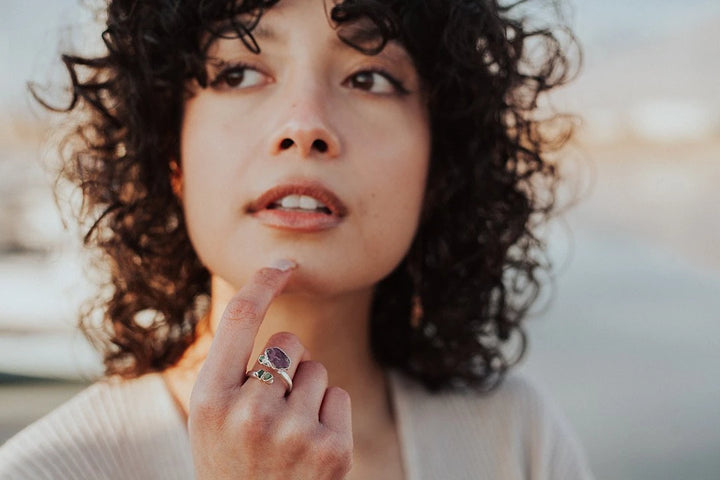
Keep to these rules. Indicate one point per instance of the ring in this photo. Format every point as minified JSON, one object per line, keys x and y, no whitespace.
{"x":279,"y":361}
{"x":288,"y":381}
{"x":263,"y":375}
{"x":275,"y":358}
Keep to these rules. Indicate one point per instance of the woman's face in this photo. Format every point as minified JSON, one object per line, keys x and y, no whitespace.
{"x":308,"y":119}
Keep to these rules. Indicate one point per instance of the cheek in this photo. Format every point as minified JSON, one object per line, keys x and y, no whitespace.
{"x":207,"y":166}
{"x":395,"y":190}
{"x":401,"y":170}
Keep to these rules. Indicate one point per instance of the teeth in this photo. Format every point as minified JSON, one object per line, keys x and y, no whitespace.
{"x":291,"y":201}
{"x":301,"y":201}
{"x":308,"y":203}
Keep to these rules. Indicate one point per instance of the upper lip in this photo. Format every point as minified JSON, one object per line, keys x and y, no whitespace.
{"x":309,"y":188}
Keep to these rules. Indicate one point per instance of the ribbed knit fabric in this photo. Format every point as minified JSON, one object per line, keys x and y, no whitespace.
{"x":513,"y":433}
{"x":111,"y":430}
{"x":132,"y":430}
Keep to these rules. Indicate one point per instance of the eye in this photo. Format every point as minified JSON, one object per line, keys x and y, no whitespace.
{"x":376,"y":81}
{"x":238,"y":76}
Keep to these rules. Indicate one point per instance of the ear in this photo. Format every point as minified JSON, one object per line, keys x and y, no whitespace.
{"x":176,"y":179}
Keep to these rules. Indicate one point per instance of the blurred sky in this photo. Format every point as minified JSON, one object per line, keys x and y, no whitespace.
{"x":605,"y":23}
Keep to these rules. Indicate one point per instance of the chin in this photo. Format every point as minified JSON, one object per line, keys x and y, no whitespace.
{"x":317,"y":277}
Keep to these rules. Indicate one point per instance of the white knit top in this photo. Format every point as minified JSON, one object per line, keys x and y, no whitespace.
{"x":131,"y":429}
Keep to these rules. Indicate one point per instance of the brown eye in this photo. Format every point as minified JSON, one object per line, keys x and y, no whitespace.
{"x":234,"y":77}
{"x":238,"y":77}
{"x":376,"y":82}
{"x":363,"y":80}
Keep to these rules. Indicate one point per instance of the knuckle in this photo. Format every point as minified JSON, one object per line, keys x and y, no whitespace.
{"x":248,"y":411}
{"x":206,"y":409}
{"x":339,"y":399}
{"x":335,"y":450}
{"x":243,"y":307}
{"x":339,"y":394}
{"x":293,"y":435}
{"x":314,"y":369}
{"x":286,"y":339}
{"x":252,"y":421}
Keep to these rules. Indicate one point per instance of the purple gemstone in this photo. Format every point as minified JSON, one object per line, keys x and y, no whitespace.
{"x":277,"y":357}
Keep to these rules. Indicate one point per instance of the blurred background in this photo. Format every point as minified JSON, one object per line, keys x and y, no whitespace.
{"x":629,"y":342}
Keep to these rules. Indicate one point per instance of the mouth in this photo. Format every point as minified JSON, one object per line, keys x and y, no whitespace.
{"x":301,"y":197}
{"x":302,"y":206}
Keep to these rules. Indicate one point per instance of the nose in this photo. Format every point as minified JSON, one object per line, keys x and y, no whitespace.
{"x":306,"y":140}
{"x":306,"y":129}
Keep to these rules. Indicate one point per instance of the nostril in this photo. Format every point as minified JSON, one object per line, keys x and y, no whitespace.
{"x":286,"y":143}
{"x":320,"y":146}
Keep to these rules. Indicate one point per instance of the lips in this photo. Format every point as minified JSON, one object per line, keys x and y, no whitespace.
{"x":310,"y":189}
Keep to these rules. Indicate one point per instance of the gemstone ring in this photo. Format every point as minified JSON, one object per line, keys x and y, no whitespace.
{"x":275,"y":358}
{"x":279,"y":361}
{"x":263,"y":375}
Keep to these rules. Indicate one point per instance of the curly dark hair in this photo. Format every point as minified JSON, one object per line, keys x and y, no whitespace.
{"x":447,"y":314}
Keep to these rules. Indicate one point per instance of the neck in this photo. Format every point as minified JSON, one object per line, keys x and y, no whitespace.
{"x":335,"y":331}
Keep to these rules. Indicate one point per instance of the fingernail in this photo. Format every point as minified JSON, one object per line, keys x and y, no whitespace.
{"x":283,"y":265}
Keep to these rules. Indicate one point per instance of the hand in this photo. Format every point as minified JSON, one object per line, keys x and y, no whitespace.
{"x":243,"y":428}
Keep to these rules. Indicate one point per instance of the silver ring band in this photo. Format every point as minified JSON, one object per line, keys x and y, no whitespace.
{"x":286,"y":378}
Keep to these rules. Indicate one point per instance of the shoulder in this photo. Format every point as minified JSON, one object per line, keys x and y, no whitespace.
{"x":102,"y":432}
{"x":514,"y":431}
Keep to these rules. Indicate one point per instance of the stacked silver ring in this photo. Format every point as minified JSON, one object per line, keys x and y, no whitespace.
{"x":277,"y":360}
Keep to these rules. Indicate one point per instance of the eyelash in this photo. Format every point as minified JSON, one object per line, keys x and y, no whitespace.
{"x":397,"y":84}
{"x":227,"y":68}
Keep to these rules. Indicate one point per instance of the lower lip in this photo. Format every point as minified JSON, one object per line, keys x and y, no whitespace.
{"x":295,"y":221}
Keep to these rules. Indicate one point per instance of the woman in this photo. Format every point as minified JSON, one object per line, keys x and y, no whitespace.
{"x":319,"y":225}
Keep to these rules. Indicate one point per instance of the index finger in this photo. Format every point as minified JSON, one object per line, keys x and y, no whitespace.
{"x":232,"y":344}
